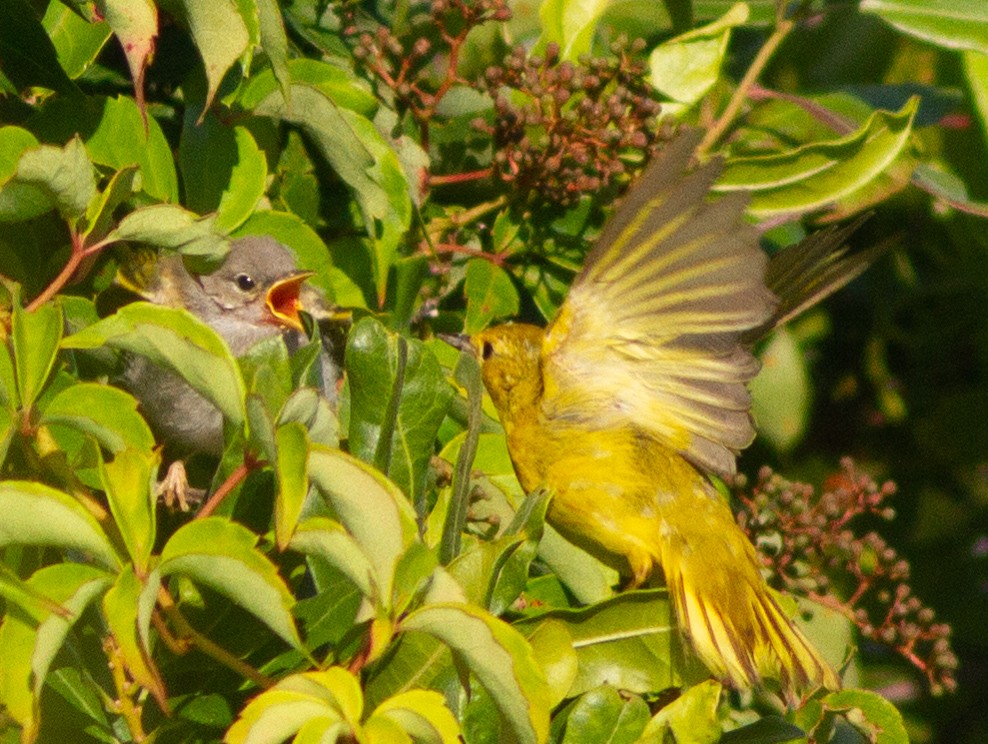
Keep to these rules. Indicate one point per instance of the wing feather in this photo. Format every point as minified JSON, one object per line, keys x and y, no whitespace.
{"x":649,"y":335}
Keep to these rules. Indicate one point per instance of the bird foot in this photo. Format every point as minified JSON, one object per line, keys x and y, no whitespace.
{"x":174,"y":489}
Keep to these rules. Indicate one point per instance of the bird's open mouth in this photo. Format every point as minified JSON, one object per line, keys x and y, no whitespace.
{"x":283,"y":300}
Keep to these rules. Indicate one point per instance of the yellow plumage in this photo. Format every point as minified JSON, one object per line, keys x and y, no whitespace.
{"x":636,"y":392}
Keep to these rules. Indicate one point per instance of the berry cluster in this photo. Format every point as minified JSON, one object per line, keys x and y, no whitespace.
{"x":561,"y":130}
{"x":807,"y":542}
{"x":420,"y":67}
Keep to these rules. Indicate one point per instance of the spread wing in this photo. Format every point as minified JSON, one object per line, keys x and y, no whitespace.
{"x":650,"y":334}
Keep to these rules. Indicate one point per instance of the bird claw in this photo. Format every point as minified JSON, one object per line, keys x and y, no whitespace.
{"x":174,"y":489}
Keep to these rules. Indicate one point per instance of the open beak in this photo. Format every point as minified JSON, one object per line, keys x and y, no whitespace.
{"x":459,"y":341}
{"x":283,"y":300}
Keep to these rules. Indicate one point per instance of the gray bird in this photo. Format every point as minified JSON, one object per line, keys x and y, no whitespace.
{"x":253,"y":296}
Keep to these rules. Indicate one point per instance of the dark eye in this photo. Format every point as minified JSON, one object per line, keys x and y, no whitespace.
{"x":487,"y":350}
{"x":244,"y":281}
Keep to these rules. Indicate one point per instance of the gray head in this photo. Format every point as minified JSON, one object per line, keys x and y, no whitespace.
{"x":253,"y":295}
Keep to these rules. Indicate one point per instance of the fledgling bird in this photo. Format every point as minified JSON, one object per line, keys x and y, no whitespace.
{"x":254,"y":295}
{"x":636,"y":393}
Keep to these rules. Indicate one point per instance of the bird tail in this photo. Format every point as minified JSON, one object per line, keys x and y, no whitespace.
{"x":726,"y":609}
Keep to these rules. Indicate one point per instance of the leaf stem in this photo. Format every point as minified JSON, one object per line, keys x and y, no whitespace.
{"x":232,"y":481}
{"x":782,"y":29}
{"x":187,"y":634}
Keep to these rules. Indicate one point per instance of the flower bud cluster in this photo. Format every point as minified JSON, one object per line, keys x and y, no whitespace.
{"x":562,"y":129}
{"x":809,"y":544}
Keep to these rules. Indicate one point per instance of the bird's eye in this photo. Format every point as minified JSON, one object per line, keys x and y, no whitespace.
{"x":487,"y":350}
{"x":244,"y":281}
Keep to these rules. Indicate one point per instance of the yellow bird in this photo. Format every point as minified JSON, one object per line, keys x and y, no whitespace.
{"x":636,"y":392}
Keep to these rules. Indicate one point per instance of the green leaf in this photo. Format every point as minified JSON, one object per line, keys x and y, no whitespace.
{"x":30,"y":642}
{"x":129,"y":482}
{"x":421,"y":713}
{"x":338,"y":84}
{"x":371,"y":508}
{"x":49,"y":177}
{"x":767,"y":730}
{"x":170,"y":226}
{"x":36,"y":335}
{"x":490,"y":294}
{"x":552,"y":646}
{"x":629,"y":641}
{"x":76,"y":40}
{"x":955,"y":24}
{"x":691,"y":718}
{"x":121,"y":604}
{"x":274,"y":41}
{"x":686,"y":67}
{"x":318,"y":536}
{"x":782,"y":394}
{"x":99,"y":215}
{"x":315,"y":412}
{"x":398,"y":398}
{"x":874,"y":716}
{"x":571,"y":24}
{"x":466,"y":374}
{"x":602,"y":714}
{"x":27,"y":54}
{"x":106,"y":413}
{"x":291,"y":469}
{"x":814,"y":175}
{"x":178,"y":341}
{"x":247,"y":181}
{"x":498,"y":656}
{"x":976,"y":74}
{"x":35,"y":514}
{"x":361,"y":156}
{"x":116,"y":135}
{"x":220,"y":35}
{"x":222,"y":555}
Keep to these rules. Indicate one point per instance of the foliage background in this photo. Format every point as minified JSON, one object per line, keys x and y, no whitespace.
{"x":892,"y":371}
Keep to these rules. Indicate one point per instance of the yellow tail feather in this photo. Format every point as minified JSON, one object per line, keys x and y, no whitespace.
{"x":725,"y":607}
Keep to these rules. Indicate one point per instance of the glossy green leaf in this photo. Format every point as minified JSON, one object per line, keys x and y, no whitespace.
{"x":247,"y":181}
{"x":129,"y":483}
{"x":36,"y":335}
{"x":628,"y":641}
{"x":398,"y":398}
{"x":223,"y":556}
{"x":120,"y":610}
{"x":498,"y":656}
{"x":170,"y":226}
{"x":955,"y":24}
{"x":369,"y":506}
{"x":316,"y":413}
{"x":29,"y":58}
{"x":14,"y":142}
{"x":684,"y":68}
{"x":879,"y":720}
{"x":422,"y":714}
{"x":30,"y":642}
{"x":76,"y":40}
{"x":692,"y":717}
{"x":49,"y":177}
{"x":490,"y":295}
{"x":603,"y":714}
{"x":291,"y":469}
{"x":176,"y":340}
{"x":274,"y":40}
{"x":35,"y":514}
{"x":816,"y":174}
{"x":342,"y":86}
{"x":782,"y":394}
{"x":106,"y":413}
